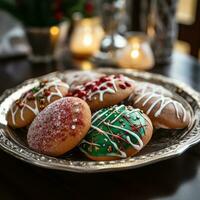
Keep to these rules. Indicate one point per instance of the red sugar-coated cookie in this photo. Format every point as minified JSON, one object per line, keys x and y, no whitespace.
{"x":60,"y":126}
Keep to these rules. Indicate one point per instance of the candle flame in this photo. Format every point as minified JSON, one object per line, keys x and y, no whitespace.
{"x":86,"y":65}
{"x":54,"y":30}
{"x":87,"y":40}
{"x":135,"y":53}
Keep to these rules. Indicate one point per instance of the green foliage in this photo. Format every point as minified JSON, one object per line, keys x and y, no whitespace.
{"x":41,"y":13}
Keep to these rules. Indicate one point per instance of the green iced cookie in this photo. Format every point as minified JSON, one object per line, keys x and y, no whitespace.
{"x":116,"y":132}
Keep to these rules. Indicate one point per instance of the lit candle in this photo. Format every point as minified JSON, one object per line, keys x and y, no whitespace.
{"x":86,"y":37}
{"x":137,"y":54}
{"x":54,"y":34}
{"x":83,"y":64}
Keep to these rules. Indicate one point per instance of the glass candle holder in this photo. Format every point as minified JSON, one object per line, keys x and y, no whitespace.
{"x":137,"y":54}
{"x":45,"y":41}
{"x":86,"y":37}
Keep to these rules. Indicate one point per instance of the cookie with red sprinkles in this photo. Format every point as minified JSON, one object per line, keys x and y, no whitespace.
{"x":44,"y":92}
{"x":105,"y":91}
{"x":60,"y":126}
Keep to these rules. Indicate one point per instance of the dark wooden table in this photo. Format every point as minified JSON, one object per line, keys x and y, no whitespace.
{"x":177,"y":178}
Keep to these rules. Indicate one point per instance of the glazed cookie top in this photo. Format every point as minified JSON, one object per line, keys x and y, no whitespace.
{"x":40,"y":93}
{"x":159,"y":104}
{"x":101,"y":86}
{"x":113,"y":131}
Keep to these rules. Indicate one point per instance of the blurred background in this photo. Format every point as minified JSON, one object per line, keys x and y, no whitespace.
{"x":41,"y":36}
{"x":119,"y":33}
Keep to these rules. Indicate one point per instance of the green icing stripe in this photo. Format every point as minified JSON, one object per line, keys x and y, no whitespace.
{"x":113,"y":131}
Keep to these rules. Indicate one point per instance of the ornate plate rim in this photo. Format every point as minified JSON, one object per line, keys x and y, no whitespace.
{"x":34,"y":158}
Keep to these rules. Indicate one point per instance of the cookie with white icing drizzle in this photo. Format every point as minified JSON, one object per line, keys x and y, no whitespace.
{"x":75,"y":78}
{"x":105,"y":91}
{"x":60,"y":126}
{"x":24,"y":110}
{"x":164,"y":112}
{"x":116,"y":132}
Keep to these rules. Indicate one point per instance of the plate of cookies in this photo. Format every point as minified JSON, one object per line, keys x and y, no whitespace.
{"x":98,"y":121}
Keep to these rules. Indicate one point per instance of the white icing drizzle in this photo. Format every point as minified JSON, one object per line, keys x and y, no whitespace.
{"x":91,"y":143}
{"x":34,"y":110}
{"x":113,"y":89}
{"x":143,"y":87}
{"x":163,"y":101}
{"x":13,"y":113}
{"x":115,"y":110}
{"x":102,"y":92}
{"x":53,"y":82}
{"x":99,"y":115}
{"x":118,"y":116}
{"x":137,"y":147}
{"x":121,"y":154}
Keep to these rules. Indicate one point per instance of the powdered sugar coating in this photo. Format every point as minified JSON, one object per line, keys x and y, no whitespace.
{"x":57,"y":123}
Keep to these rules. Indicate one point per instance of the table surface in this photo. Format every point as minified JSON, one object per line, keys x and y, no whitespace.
{"x":177,"y":178}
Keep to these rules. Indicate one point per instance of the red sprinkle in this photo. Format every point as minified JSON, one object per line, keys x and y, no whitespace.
{"x":104,"y":79}
{"x":76,"y":91}
{"x":122,"y":86}
{"x":87,"y":87}
{"x":103,"y":88}
{"x":95,"y":88}
{"x":81,"y":93}
{"x":98,"y":83}
{"x":109,"y":84}
{"x":127,"y":84}
{"x":47,"y":92}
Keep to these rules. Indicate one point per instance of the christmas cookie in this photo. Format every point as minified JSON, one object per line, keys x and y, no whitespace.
{"x":105,"y":91}
{"x":164,"y":112}
{"x":60,"y":126}
{"x":24,"y":110}
{"x":116,"y":132}
{"x":73,"y":79}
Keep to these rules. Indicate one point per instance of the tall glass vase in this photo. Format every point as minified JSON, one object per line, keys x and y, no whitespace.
{"x":158,"y":20}
{"x":113,"y":14}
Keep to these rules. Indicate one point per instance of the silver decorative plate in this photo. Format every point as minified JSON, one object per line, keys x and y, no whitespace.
{"x":164,"y":144}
